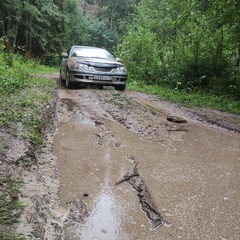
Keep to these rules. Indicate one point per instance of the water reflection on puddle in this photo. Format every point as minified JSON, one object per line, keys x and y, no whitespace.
{"x":103,"y":222}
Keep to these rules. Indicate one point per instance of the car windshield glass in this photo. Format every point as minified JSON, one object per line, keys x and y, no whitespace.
{"x":92,"y":53}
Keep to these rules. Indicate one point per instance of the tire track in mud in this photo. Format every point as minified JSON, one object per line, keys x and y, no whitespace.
{"x":143,"y":119}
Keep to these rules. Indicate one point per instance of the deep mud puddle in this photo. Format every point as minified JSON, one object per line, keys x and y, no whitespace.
{"x":101,"y":222}
{"x":192,"y":177}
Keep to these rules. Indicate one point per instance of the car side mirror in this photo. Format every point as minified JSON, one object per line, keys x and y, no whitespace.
{"x":118,"y":59}
{"x":65,"y":55}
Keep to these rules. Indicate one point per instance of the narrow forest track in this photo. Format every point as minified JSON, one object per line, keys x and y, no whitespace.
{"x":99,"y":136}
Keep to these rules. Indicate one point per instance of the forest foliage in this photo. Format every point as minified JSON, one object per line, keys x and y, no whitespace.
{"x":192,"y":44}
{"x":43,"y":28}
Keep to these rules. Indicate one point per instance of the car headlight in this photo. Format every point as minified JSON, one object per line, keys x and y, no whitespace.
{"x":81,"y":66}
{"x":120,"y":70}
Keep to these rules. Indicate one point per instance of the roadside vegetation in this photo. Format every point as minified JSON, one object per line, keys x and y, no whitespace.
{"x":187,"y":98}
{"x":24,"y":109}
{"x":190,"y":47}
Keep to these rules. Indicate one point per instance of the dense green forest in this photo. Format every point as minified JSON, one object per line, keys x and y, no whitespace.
{"x":190,"y":45}
{"x":43,"y":28}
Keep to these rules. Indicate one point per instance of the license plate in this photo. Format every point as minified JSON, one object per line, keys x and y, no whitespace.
{"x":99,"y":77}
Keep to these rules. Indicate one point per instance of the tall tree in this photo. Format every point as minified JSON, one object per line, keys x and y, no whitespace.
{"x":116,"y":10}
{"x":10,"y":18}
{"x":30,"y":24}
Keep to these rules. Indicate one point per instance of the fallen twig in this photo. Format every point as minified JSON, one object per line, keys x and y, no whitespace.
{"x":148,"y":206}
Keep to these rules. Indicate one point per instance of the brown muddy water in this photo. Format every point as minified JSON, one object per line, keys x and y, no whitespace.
{"x":191,"y":171}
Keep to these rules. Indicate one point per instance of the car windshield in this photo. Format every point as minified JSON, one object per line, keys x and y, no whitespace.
{"x":92,"y":53}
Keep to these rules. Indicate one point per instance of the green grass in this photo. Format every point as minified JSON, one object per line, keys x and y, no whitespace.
{"x":198,"y":99}
{"x":11,"y":236}
{"x":10,"y":206}
{"x":37,"y":68}
{"x":21,"y":109}
{"x":31,"y":65}
{"x":23,"y":96}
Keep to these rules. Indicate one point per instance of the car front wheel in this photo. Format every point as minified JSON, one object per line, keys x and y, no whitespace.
{"x":69,"y":84}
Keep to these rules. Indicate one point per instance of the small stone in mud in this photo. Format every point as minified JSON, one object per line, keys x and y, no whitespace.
{"x":118,"y":145}
{"x":98,"y":139}
{"x":86,"y":194}
{"x":131,"y":157}
{"x":97,"y":122}
{"x":104,"y":231}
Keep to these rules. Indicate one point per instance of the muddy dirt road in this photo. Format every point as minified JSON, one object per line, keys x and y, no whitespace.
{"x":176,"y":180}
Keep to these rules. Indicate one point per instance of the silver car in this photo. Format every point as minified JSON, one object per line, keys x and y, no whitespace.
{"x":92,"y":65}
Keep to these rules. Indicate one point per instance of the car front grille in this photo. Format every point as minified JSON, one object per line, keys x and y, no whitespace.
{"x":101,"y":69}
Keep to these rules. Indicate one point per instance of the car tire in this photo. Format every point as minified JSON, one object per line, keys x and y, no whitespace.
{"x":69,"y":84}
{"x":60,"y":80}
{"x":120,"y":87}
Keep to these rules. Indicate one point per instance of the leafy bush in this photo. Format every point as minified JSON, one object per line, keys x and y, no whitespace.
{"x":19,"y":98}
{"x":12,"y":80}
{"x":139,"y":52}
{"x":184,"y":46}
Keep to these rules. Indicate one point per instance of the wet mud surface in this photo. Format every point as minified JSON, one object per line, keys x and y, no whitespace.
{"x":189,"y":171}
{"x":118,"y":167}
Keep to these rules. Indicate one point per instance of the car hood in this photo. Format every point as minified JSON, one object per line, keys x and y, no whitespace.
{"x":98,"y":62}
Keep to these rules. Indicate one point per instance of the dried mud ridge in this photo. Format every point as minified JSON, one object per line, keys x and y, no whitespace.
{"x":148,"y":206}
